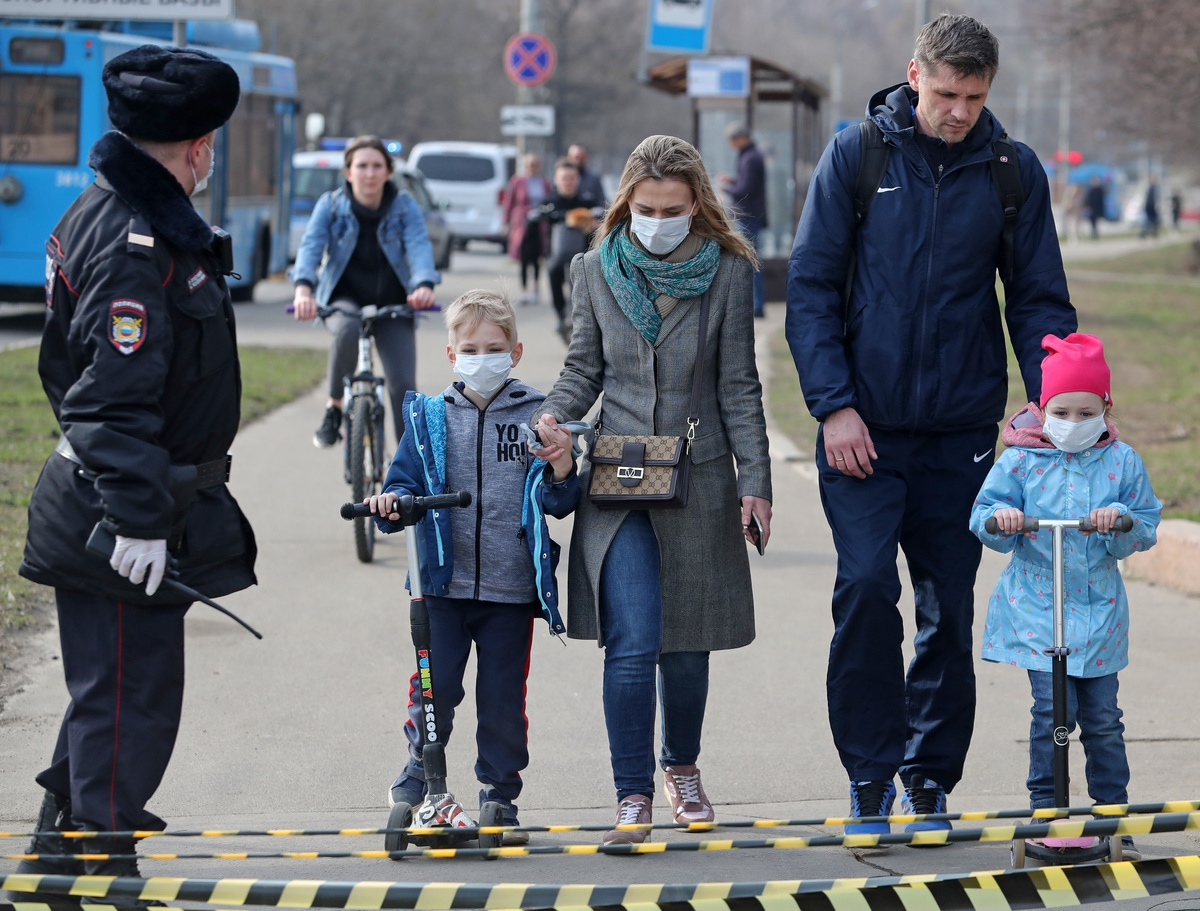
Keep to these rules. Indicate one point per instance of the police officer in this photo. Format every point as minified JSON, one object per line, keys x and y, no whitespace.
{"x":139,"y":361}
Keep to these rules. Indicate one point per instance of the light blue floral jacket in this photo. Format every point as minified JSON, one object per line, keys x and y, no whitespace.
{"x":402,"y":237}
{"x":1043,"y":481}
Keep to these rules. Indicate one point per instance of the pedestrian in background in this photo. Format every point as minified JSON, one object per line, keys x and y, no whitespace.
{"x":898,"y":337}
{"x":1150,"y":217}
{"x":139,"y":360}
{"x":1094,"y":203}
{"x":589,"y":181}
{"x":1176,"y":208}
{"x":365,"y":244}
{"x":1064,"y":460}
{"x":659,"y":589}
{"x":748,"y":192}
{"x":526,"y":242}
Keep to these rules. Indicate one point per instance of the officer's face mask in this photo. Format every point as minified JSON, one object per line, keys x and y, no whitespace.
{"x":484,"y":373}
{"x":660,"y":235}
{"x":1072,"y":436}
{"x":202,"y":183}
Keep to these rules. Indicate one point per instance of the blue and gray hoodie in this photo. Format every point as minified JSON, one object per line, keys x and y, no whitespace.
{"x":498,"y":548}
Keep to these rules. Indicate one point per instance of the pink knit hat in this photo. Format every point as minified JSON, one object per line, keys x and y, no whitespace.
{"x":1075,"y":364}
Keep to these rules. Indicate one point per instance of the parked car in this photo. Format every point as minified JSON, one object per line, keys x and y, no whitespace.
{"x":471,"y":179}
{"x":314,"y":173}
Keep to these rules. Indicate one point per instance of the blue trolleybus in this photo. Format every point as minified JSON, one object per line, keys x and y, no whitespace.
{"x":53,"y":108}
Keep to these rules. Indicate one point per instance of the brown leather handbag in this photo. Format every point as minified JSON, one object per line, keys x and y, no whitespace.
{"x":648,"y":472}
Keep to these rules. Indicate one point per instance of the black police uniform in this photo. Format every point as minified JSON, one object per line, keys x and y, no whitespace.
{"x":139,"y":360}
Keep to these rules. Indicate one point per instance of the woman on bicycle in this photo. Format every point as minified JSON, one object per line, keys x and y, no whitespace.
{"x":376,"y":251}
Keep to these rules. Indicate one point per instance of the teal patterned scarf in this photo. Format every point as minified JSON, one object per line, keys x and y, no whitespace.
{"x":636,"y":278}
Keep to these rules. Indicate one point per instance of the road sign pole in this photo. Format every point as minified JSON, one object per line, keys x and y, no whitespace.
{"x":531,"y":21}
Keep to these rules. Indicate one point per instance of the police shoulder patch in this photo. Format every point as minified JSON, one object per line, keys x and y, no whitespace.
{"x":128,"y":325}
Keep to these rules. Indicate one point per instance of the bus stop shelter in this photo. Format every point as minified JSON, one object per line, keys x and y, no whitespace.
{"x":783,"y":112}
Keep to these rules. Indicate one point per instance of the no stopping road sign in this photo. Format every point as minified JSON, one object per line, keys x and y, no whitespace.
{"x":529,"y":58}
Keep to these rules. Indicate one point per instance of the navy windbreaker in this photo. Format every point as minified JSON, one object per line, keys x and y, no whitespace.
{"x":920,"y":344}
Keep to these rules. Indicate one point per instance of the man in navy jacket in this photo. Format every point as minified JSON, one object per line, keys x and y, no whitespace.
{"x":748,"y":192}
{"x":898,"y":336}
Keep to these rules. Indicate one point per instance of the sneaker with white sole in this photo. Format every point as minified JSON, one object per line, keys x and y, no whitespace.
{"x":330,"y":431}
{"x":689,"y":803}
{"x":923,"y":796}
{"x":406,"y":789}
{"x":633,"y":810}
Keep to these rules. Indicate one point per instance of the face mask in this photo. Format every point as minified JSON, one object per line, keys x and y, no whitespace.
{"x":660,"y":235}
{"x":1074,"y":437}
{"x":202,"y":183}
{"x":484,"y":373}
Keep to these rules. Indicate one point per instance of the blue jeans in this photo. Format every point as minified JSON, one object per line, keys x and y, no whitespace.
{"x":751,"y":229}
{"x":1092,"y":702}
{"x":631,"y":624}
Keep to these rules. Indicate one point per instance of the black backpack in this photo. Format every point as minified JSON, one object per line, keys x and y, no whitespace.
{"x":1006,"y":177}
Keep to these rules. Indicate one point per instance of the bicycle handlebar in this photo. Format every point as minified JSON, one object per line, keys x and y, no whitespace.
{"x":410,"y":504}
{"x":1033,"y":523}
{"x":389,"y":310}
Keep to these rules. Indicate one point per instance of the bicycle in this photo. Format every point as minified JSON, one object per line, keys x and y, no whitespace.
{"x":363,"y":418}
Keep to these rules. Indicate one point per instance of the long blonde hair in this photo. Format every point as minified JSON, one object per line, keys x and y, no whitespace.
{"x":671,"y":158}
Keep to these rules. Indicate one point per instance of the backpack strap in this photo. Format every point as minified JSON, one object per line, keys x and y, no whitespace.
{"x":871,"y":166}
{"x":1006,"y":176}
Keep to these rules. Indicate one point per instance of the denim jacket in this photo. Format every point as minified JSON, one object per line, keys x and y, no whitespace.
{"x":333,"y":230}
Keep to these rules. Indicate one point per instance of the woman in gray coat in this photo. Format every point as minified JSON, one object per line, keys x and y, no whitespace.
{"x":659,"y":589}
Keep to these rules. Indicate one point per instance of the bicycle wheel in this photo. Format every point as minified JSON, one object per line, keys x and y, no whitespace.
{"x":363,"y":472}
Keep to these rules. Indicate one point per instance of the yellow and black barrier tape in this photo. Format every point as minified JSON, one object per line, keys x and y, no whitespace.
{"x":1172,"y":806}
{"x":1015,"y":890}
{"x":1074,"y":828}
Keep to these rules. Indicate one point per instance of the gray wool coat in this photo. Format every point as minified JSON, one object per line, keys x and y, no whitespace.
{"x":707,"y":601}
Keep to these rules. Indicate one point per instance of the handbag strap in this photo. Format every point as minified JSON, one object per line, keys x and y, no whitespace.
{"x":693,"y":417}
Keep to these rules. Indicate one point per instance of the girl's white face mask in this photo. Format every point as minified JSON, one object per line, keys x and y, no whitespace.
{"x":1071,"y":436}
{"x":484,"y":373}
{"x":660,"y":235}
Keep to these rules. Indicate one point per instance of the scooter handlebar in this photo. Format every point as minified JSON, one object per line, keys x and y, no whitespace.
{"x":1033,"y":523}
{"x":438,"y":501}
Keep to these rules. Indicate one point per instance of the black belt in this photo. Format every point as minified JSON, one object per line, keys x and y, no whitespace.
{"x":192,"y":477}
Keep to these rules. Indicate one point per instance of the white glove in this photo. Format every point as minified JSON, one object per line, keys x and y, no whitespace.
{"x":137,"y":559}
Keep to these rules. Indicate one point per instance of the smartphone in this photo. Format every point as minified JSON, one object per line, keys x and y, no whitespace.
{"x":756,"y":534}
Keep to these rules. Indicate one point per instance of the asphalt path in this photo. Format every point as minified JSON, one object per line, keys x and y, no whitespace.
{"x":303,"y":729}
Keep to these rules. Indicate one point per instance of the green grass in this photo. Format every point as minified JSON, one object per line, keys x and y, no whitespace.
{"x":1150,"y":331}
{"x":28,"y":432}
{"x":1173,"y":260}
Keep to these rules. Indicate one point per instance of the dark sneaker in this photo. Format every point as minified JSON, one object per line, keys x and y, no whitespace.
{"x":1129,"y":850}
{"x":870,"y":798}
{"x":924,"y":796}
{"x":407,"y":789}
{"x":689,"y":803}
{"x":633,"y":810}
{"x":330,"y":431}
{"x":508,"y":817}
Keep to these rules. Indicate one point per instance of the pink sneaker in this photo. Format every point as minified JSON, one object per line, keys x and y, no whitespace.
{"x":633,"y":810}
{"x":689,"y":803}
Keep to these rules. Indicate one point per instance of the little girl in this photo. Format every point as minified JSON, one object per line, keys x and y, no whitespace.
{"x":1061,"y":464}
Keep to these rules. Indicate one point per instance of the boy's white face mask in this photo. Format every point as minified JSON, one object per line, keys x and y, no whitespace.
{"x":484,"y":373}
{"x":1072,"y":436}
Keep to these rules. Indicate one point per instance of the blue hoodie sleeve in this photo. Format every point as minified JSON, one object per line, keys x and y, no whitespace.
{"x":561,"y":499}
{"x":405,"y":475}
{"x":1003,"y":488}
{"x":1036,"y":300}
{"x":817,"y":272}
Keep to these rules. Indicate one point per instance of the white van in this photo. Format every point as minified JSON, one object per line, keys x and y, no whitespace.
{"x":471,"y":180}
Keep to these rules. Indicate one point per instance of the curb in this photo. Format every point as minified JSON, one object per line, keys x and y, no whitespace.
{"x":1174,"y":561}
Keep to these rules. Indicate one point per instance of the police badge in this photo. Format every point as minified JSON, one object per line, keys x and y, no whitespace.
{"x":128,"y":325}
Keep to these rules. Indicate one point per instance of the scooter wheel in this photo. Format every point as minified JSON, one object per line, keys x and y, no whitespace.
{"x":400,"y":818}
{"x":1018,"y":853}
{"x":491,"y":814}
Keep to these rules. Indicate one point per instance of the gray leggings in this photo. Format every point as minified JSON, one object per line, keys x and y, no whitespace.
{"x":396,"y":342}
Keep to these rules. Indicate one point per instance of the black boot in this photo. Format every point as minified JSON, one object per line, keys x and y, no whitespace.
{"x":118,"y":866}
{"x":53,"y":816}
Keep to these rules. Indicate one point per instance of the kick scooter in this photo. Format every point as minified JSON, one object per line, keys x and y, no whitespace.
{"x":440,"y":808}
{"x":1057,"y":851}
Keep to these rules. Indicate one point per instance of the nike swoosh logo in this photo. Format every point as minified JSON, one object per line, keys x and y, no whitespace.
{"x":886,"y":189}
{"x":980,"y":458}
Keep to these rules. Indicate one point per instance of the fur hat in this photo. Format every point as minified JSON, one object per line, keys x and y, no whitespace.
{"x":1075,"y":364}
{"x":169,"y":94}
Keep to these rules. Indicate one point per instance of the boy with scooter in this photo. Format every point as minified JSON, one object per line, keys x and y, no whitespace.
{"x":488,"y":569}
{"x":1064,"y":461}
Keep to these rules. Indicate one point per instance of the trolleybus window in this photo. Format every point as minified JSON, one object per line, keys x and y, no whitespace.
{"x":251,"y":150}
{"x":39,"y":119}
